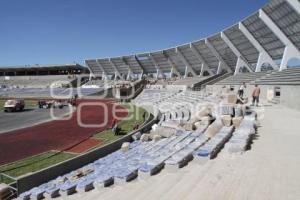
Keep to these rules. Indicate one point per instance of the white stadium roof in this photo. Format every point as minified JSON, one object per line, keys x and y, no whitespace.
{"x":268,"y":35}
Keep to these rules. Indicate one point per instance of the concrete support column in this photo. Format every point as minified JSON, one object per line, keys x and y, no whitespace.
{"x":217,"y":55}
{"x":128,"y":75}
{"x":241,"y":60}
{"x":289,"y":53}
{"x":186,"y":72}
{"x":116,"y":74}
{"x":171,"y":73}
{"x":103,"y":76}
{"x":240,"y":63}
{"x":264,"y":57}
{"x":141,"y":75}
{"x":295,"y":4}
{"x":202,"y":70}
{"x":199,"y":56}
{"x":185,"y":61}
{"x":219,"y":67}
{"x":290,"y":50}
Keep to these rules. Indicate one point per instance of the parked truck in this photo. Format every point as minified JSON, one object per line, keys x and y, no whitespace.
{"x":14,"y":105}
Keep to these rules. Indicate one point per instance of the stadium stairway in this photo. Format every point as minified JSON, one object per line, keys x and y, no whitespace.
{"x":190,"y":81}
{"x":211,"y":80}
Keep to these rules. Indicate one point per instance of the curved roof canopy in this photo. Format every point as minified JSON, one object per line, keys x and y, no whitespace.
{"x":270,"y":35}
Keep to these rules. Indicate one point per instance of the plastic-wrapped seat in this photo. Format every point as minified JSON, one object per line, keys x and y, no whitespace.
{"x":203,"y":154}
{"x":85,"y":184}
{"x":124,"y":175}
{"x":212,"y":147}
{"x":68,"y":188}
{"x":241,"y":137}
{"x":148,"y":169}
{"x":103,"y":180}
{"x":52,"y":191}
{"x":182,"y":157}
{"x":25,"y":196}
{"x":37,"y":193}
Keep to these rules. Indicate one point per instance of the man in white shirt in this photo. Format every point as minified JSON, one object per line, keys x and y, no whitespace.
{"x":242,"y":89}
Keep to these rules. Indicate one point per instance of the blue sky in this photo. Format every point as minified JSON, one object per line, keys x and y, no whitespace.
{"x":67,"y":31}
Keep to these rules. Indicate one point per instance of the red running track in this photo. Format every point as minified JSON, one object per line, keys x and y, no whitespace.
{"x":85,"y":146}
{"x":56,"y":135}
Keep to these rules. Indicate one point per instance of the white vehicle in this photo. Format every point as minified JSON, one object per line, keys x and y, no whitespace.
{"x":14,"y":105}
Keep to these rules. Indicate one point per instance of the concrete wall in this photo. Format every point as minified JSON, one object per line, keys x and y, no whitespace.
{"x":290,"y":95}
{"x":219,"y":89}
{"x":106,"y":93}
{"x":27,"y":182}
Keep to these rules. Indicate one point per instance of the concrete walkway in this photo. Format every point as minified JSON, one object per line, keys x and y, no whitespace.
{"x":270,"y":170}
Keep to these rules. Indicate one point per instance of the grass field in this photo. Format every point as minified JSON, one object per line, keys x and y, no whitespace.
{"x":28,"y":104}
{"x":33,"y":164}
{"x":36,"y":163}
{"x":135,"y":115}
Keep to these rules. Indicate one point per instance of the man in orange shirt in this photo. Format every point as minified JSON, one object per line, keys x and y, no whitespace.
{"x":255,"y":95}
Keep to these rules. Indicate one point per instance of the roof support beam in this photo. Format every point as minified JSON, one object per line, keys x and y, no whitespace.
{"x":263,"y":57}
{"x":128,"y":74}
{"x":188,"y":67}
{"x":140,"y":65}
{"x":127,"y":65}
{"x":217,"y":55}
{"x":102,"y":68}
{"x":290,"y":50}
{"x":158,"y":69}
{"x":117,"y":72}
{"x":219,"y":70}
{"x":91,"y":71}
{"x":295,"y":4}
{"x":199,"y":56}
{"x":130,"y":71}
{"x":241,"y":60}
{"x":172,"y":65}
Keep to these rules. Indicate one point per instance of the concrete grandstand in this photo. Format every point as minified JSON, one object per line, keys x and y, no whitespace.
{"x":200,"y":140}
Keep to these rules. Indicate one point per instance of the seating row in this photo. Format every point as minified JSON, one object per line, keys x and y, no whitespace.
{"x":242,"y":136}
{"x":238,"y":79}
{"x":143,"y":159}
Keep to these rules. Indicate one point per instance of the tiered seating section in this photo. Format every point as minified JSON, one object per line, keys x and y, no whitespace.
{"x":35,"y":81}
{"x":151,"y":96}
{"x":180,"y":106}
{"x":190,"y":81}
{"x":289,"y":76}
{"x":242,"y":77}
{"x":41,"y":86}
{"x":99,"y":83}
{"x":144,"y":158}
{"x":46,"y":92}
{"x":286,"y":77}
{"x":173,"y":105}
{"x":241,"y":137}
